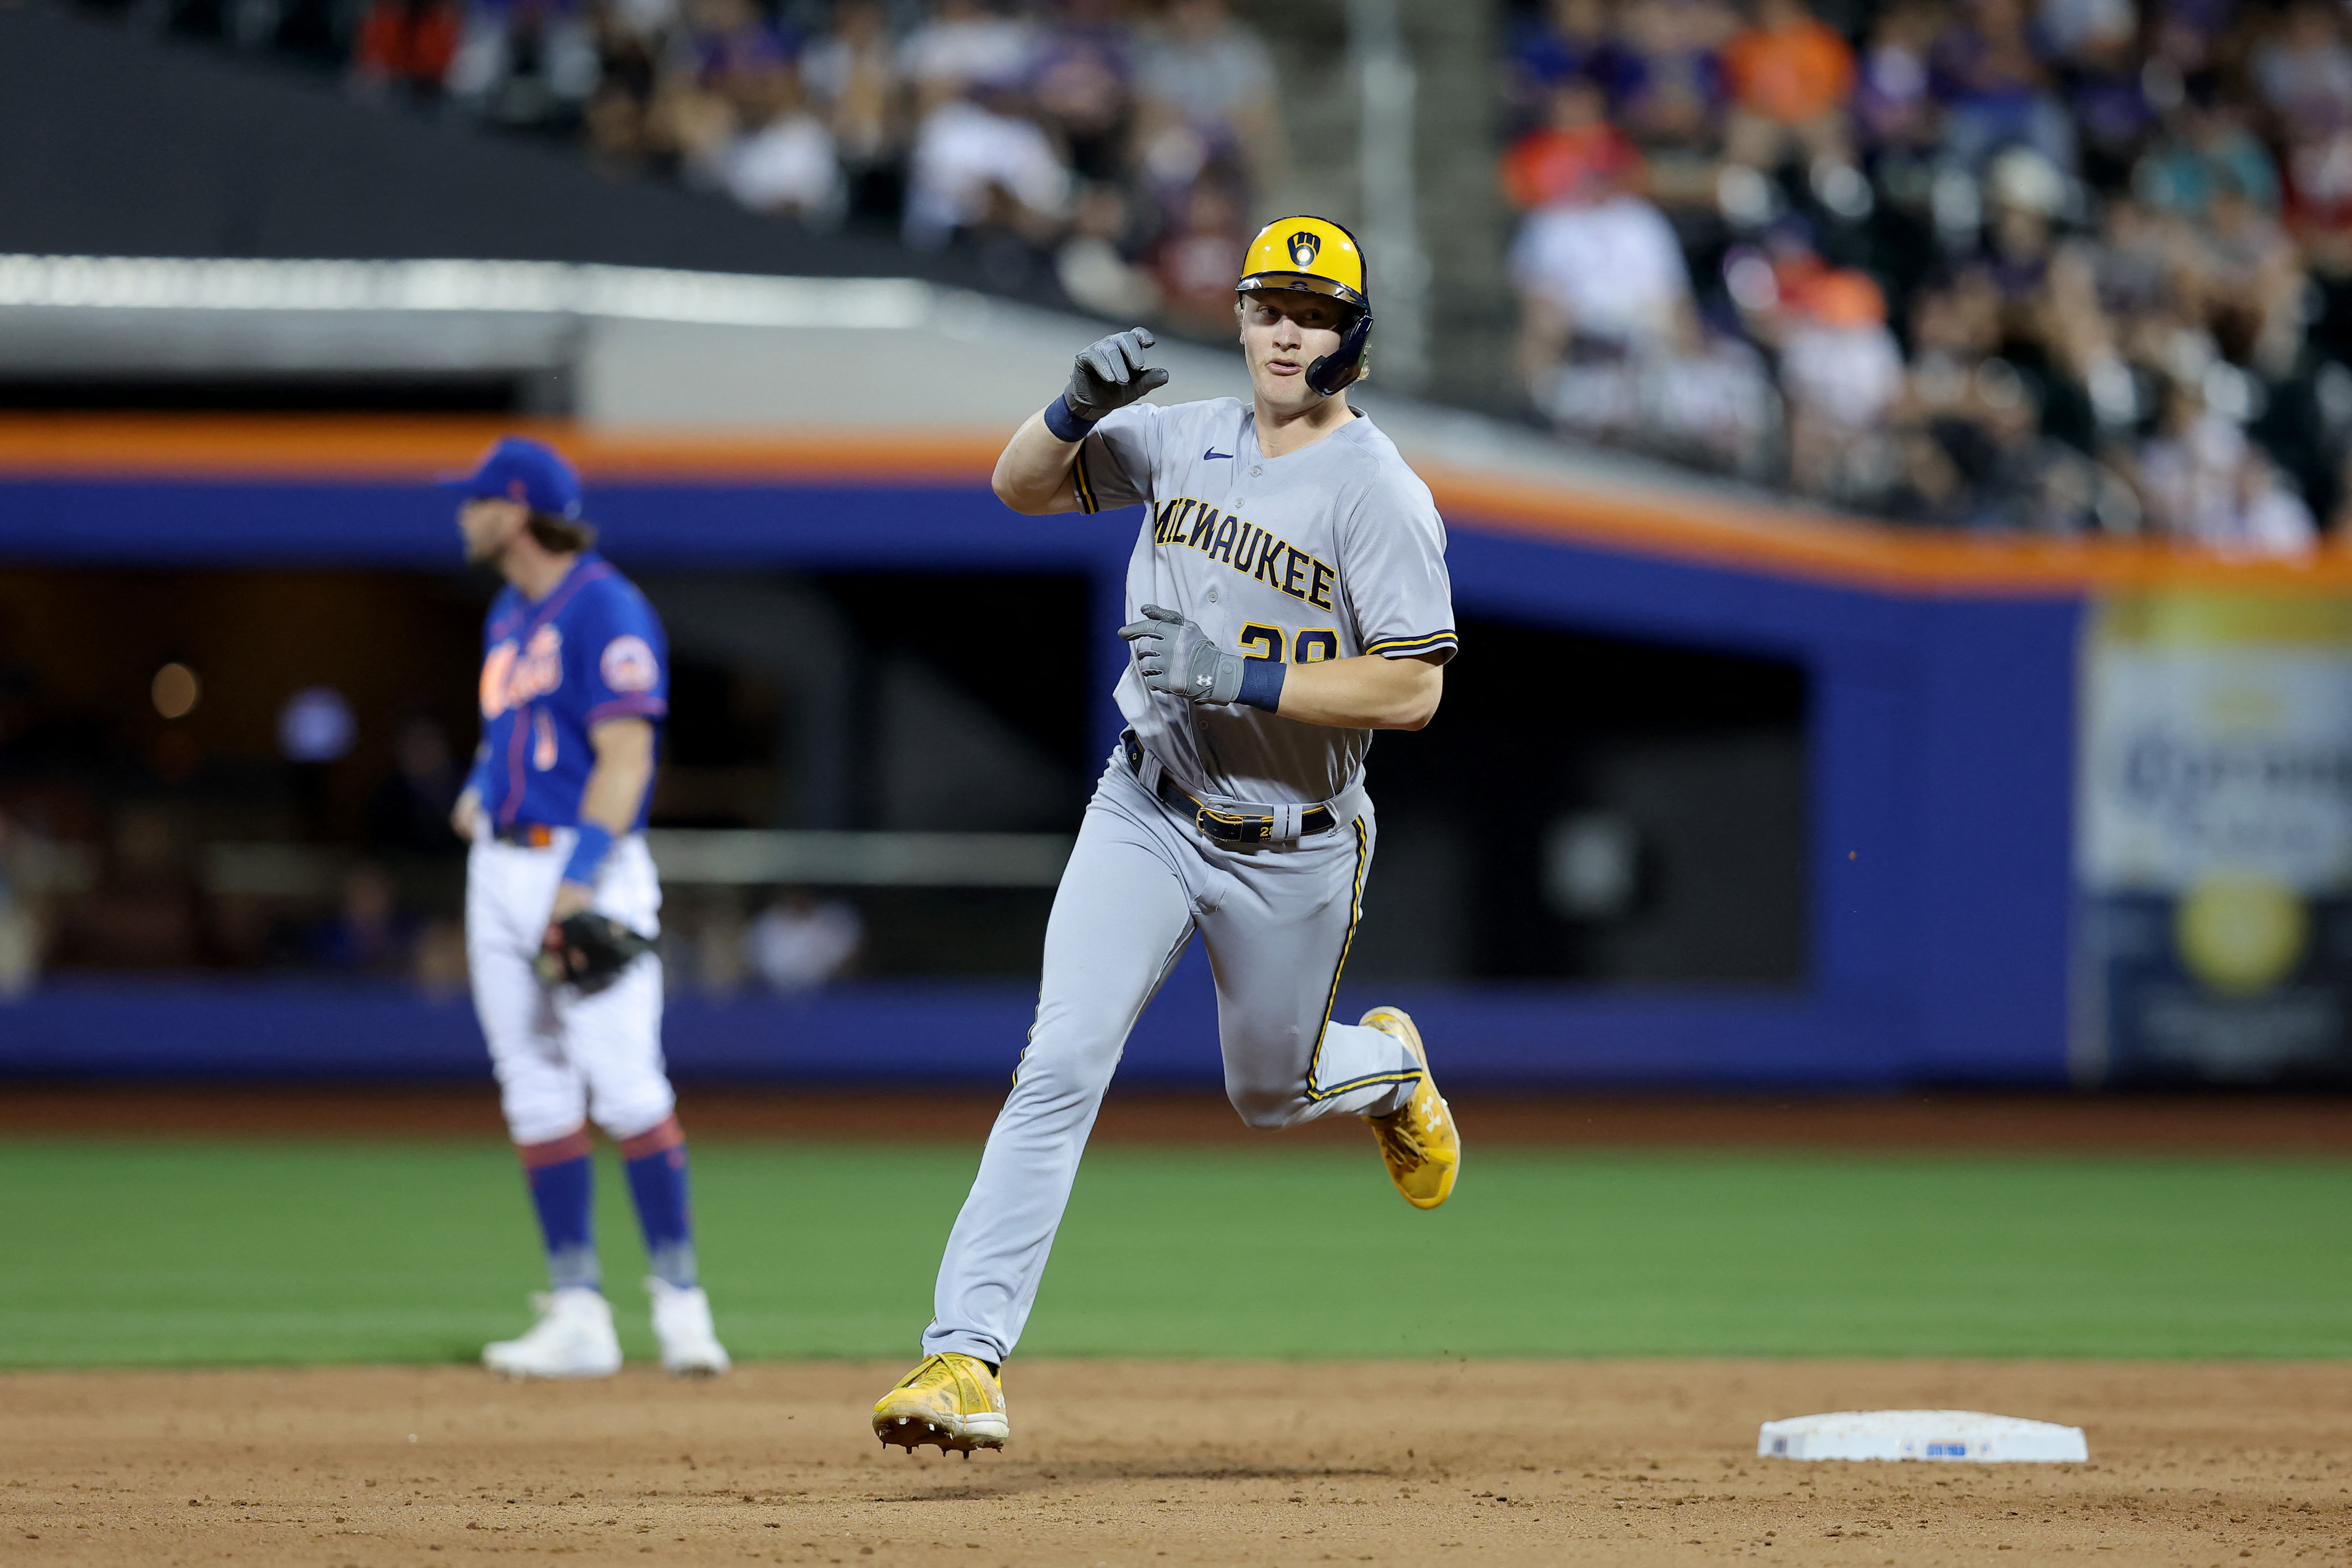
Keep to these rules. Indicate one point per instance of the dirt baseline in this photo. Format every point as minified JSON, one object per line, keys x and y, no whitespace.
{"x":1111,"y":1462}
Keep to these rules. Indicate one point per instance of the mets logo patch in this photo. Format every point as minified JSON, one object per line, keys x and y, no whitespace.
{"x":628,"y":665}
{"x":1304,"y":247}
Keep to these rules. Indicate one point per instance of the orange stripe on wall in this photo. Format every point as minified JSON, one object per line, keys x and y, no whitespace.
{"x":1693,"y":527}
{"x":1857,"y":553}
{"x":423,"y":449}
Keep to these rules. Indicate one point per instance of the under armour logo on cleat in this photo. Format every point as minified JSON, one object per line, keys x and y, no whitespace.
{"x":1213,"y":452}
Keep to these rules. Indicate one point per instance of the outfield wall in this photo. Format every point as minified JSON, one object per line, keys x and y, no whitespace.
{"x":1941,"y":746}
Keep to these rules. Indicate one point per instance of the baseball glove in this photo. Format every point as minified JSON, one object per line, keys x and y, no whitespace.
{"x":587,"y":950}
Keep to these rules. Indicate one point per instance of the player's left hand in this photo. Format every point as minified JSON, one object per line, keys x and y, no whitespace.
{"x":588,"y":950}
{"x":1175,"y":656}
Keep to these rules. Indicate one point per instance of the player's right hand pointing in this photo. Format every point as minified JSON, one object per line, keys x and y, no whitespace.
{"x":1111,"y":374}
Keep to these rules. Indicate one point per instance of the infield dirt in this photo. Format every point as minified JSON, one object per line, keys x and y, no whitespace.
{"x":1113,"y":1462}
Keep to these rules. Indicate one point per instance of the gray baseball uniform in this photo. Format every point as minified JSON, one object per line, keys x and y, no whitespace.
{"x":1327,"y":552}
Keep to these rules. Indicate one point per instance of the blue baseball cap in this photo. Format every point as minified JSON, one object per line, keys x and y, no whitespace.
{"x":519,"y":469}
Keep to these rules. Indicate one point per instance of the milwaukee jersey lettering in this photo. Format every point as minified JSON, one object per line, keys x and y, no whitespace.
{"x":1331,"y":552}
{"x":551,"y":671}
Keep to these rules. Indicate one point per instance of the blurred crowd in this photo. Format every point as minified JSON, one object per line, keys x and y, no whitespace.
{"x":1119,"y":149}
{"x":2054,"y":266}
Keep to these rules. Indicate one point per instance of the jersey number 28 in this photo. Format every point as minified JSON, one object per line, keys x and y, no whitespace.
{"x":1314,"y":645}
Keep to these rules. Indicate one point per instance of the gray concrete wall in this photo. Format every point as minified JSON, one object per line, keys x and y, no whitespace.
{"x":988,"y":366}
{"x":1464,"y":226}
{"x":636,"y":348}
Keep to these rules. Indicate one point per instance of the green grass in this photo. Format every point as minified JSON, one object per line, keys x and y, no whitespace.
{"x":166,"y":1253}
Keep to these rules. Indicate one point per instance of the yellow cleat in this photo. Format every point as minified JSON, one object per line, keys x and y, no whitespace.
{"x":1420,"y":1141}
{"x":952,"y":1400}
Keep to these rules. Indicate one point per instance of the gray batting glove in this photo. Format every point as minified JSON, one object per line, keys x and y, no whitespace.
{"x":1175,"y":656}
{"x":1109,"y":374}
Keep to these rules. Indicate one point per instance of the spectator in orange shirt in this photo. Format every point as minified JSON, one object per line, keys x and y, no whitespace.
{"x":1576,"y":156}
{"x":1790,"y":78}
{"x":405,"y":45}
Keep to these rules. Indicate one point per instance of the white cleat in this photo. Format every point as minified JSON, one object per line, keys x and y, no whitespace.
{"x":574,"y":1338}
{"x":690,"y":1346}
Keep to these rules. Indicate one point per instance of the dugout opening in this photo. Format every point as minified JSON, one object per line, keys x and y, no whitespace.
{"x":1584,"y":808}
{"x":1598,"y":809}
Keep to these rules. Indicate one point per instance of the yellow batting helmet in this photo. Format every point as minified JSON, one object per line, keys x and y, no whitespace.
{"x":1320,"y":257}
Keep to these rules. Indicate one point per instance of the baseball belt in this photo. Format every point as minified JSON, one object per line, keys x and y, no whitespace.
{"x":1224,"y":826}
{"x":526,"y":834}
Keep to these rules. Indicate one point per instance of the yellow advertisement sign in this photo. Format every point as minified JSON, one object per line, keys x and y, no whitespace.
{"x":2213,"y":834}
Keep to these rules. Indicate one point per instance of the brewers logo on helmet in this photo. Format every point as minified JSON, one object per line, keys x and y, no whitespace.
{"x":1319,"y":257}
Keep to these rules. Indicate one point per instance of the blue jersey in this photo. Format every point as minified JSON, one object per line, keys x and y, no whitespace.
{"x":591,"y":651}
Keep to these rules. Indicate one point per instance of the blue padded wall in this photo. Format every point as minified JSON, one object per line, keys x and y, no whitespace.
{"x":1941,"y":750}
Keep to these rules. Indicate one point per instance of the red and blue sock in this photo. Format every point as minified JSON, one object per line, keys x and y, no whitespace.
{"x":656,"y":1163}
{"x":563,"y":1191}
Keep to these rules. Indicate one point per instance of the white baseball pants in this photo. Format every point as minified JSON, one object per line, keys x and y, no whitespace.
{"x":562,"y":1058}
{"x":1277,"y":919}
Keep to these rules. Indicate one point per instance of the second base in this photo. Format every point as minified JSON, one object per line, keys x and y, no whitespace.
{"x":1967,"y":1435}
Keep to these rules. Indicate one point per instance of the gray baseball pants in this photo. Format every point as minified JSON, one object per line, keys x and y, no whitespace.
{"x":1277,"y":919}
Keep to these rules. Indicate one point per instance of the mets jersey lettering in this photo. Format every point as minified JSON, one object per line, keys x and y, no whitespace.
{"x":512,"y":678}
{"x":551,"y":671}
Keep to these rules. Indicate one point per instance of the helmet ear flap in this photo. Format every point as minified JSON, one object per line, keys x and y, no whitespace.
{"x":1344,"y":366}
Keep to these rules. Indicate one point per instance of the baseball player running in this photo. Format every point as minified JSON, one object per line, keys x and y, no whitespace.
{"x":561,"y":906}
{"x":1287,"y":595}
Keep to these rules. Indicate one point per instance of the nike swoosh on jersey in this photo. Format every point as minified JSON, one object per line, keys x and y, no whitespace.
{"x":1213,"y":452}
